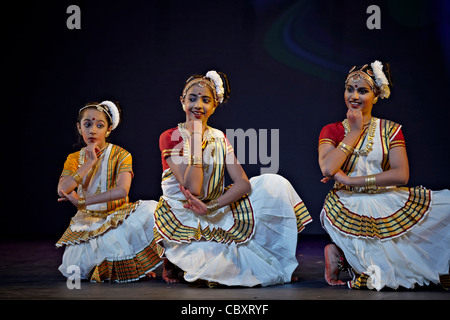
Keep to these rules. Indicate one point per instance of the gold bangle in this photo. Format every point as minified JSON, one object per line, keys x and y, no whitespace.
{"x":195,"y":161}
{"x":212,"y":206}
{"x":344,"y":150}
{"x":348,"y":150}
{"x":78,"y":179}
{"x":81,"y":203}
{"x":371,"y":182}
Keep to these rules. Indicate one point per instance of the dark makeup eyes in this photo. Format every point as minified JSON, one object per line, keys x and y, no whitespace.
{"x":363,"y":90}
{"x":88,"y":123}
{"x":193,"y":98}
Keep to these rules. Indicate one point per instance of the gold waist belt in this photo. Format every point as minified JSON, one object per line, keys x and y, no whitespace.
{"x":98,"y":214}
{"x":340,"y":186}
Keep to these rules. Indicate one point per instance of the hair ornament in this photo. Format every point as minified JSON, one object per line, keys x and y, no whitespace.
{"x":380,"y":79}
{"x":109,"y":108}
{"x":215,"y":77}
{"x":113,"y":113}
{"x":374,"y":76}
{"x":212,"y":79}
{"x":357,"y":74}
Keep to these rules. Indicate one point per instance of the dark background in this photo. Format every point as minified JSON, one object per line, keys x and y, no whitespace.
{"x":286,"y":61}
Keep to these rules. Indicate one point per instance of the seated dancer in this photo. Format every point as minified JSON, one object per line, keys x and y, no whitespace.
{"x":390,"y":236}
{"x":242,"y":235}
{"x":109,"y":238}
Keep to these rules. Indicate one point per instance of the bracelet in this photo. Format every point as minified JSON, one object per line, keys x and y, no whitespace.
{"x":195,"y":161}
{"x":81,"y":203}
{"x":212,"y":206}
{"x":371,"y":182}
{"x":78,"y":179}
{"x":346,"y":148}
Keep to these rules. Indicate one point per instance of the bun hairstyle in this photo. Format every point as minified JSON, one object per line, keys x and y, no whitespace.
{"x":217,"y":81}
{"x":388,"y":73}
{"x":226,"y":86}
{"x":377,"y":75}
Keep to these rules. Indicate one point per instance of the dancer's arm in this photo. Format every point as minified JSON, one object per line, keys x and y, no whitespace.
{"x":117,"y":193}
{"x":190,"y":176}
{"x":397,"y":175}
{"x":67,"y":184}
{"x":240,"y":187}
{"x":332,"y":158}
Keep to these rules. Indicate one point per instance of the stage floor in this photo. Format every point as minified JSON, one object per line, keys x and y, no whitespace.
{"x":28,"y":271}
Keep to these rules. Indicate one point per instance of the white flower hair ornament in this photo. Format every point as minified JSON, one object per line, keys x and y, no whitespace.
{"x":218,"y":83}
{"x":113,"y":113}
{"x":380,"y":79}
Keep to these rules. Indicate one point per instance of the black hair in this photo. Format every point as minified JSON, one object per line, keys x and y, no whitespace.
{"x":388,"y":73}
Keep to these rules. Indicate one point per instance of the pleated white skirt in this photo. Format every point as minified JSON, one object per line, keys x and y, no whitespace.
{"x":123,"y":253}
{"x":267,"y":258}
{"x":418,"y":256}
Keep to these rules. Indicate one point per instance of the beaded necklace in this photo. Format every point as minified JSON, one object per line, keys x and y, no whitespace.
{"x":370,"y":135}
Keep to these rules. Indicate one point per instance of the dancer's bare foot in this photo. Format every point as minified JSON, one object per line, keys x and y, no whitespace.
{"x":151,"y":275}
{"x":332,"y":256}
{"x":170,"y":272}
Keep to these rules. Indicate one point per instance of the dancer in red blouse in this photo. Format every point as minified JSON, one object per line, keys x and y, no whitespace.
{"x":389,"y":235}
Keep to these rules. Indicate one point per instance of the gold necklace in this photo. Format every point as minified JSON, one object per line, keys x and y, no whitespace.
{"x":370,"y":135}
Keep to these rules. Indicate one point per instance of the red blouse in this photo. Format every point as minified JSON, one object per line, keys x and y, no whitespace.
{"x":334,"y":133}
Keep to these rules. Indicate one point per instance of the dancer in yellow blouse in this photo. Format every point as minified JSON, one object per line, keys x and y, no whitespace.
{"x":109,"y":238}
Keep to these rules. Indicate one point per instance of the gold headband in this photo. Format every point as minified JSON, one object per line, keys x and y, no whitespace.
{"x":202,"y":82}
{"x":358,"y":74}
{"x":100,"y":108}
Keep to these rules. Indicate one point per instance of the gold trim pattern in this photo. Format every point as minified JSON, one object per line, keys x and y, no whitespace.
{"x":168,"y":226}
{"x":394,"y":225}
{"x":127,"y":270}
{"x":71,"y":237}
{"x":302,"y":216}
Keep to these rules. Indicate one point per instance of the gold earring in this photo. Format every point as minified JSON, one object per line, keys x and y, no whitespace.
{"x":108,"y":133}
{"x":375,"y":100}
{"x":184,"y":107}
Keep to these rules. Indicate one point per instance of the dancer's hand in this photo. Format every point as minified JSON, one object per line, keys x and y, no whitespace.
{"x":72,"y":197}
{"x":194,"y":203}
{"x":326,"y":179}
{"x":355,"y":120}
{"x":91,"y":152}
{"x":339,"y":176}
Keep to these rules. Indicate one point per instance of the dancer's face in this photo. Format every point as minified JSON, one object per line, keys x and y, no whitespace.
{"x":198,"y":103}
{"x":94,"y":126}
{"x":359,"y":96}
